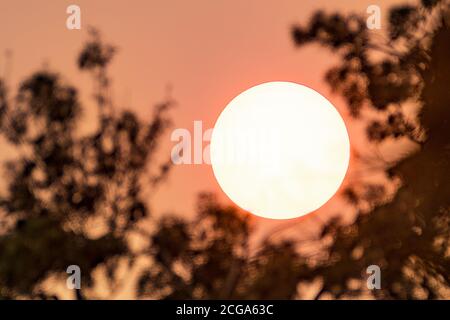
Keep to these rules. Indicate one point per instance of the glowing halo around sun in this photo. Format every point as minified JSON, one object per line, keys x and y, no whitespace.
{"x":280,"y":150}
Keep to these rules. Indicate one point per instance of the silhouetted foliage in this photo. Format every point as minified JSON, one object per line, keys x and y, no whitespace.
{"x":209,"y":258}
{"x":407,"y":237}
{"x":72,"y":197}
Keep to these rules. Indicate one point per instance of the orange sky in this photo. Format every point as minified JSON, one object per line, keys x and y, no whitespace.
{"x":207,"y":50}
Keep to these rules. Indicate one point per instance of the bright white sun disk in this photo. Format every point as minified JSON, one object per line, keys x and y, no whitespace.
{"x":280,"y":150}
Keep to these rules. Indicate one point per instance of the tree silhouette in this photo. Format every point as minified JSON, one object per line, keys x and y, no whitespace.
{"x":72,"y":198}
{"x":213,"y":255}
{"x":408,"y":237}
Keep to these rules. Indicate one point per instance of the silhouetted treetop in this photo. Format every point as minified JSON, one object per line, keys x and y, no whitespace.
{"x":407,"y":236}
{"x":72,"y":197}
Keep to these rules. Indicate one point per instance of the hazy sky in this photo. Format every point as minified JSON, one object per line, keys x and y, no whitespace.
{"x":207,"y":50}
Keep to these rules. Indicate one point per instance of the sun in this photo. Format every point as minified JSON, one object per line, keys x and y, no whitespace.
{"x":280,"y":150}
